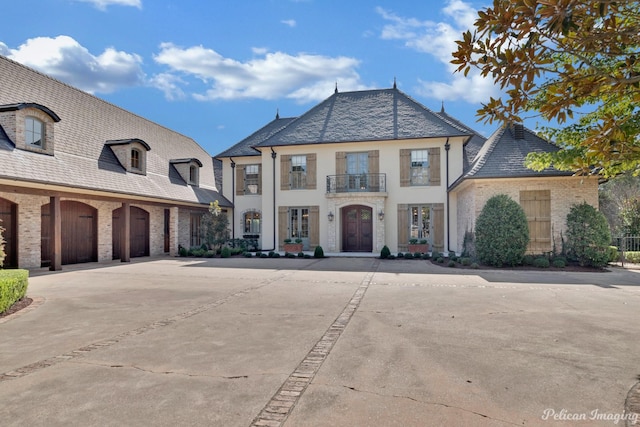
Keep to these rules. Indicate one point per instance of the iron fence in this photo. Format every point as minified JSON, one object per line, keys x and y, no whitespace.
{"x":350,"y":183}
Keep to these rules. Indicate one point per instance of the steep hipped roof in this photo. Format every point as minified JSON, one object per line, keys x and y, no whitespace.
{"x":473,"y":145}
{"x":370,"y":115}
{"x":503,"y":156}
{"x":245,"y":147}
{"x":81,"y":159}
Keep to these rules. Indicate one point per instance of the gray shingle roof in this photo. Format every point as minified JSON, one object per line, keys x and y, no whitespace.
{"x":369,"y":115}
{"x":245,"y":147}
{"x":81,"y":159}
{"x":503,"y":155}
{"x":472,"y":146}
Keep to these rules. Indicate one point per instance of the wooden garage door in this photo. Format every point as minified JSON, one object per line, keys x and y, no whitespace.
{"x":79,"y":233}
{"x":537,"y":207}
{"x":8,"y":222}
{"x":138,"y":235}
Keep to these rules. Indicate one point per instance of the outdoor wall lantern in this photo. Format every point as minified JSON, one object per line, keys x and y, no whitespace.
{"x":381,"y":215}
{"x":330,"y":216}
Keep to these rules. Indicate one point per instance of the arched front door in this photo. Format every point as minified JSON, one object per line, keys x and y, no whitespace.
{"x":79,"y":233}
{"x":357,"y":229}
{"x":139,"y":232}
{"x":8,"y":222}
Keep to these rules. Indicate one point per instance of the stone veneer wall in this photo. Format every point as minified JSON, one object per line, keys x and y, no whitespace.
{"x":565,"y":192}
{"x":335,"y":202}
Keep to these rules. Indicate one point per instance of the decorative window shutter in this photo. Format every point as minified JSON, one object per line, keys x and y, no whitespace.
{"x":341,"y":162}
{"x":403,"y":227}
{"x":239,"y":180}
{"x":312,"y":170}
{"x":314,"y":226}
{"x":259,"y":179}
{"x":438,"y":226}
{"x":405,"y":167}
{"x":374,"y":161}
{"x":434,"y":166}
{"x":285,"y":169}
{"x":283,"y":225}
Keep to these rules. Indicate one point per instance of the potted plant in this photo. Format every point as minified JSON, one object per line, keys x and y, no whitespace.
{"x":293,"y":248}
{"x":420,"y":246}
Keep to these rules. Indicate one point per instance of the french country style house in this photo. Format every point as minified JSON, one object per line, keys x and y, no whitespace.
{"x":365,"y":169}
{"x":83,"y":180}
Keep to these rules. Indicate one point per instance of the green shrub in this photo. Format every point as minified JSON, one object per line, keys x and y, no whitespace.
{"x":391,"y":256}
{"x":541,"y":262}
{"x":300,"y":254}
{"x":400,"y":255}
{"x":385,"y":252}
{"x":318,"y":252}
{"x":209,"y":254}
{"x":435,"y":255}
{"x":559,"y":263}
{"x":528,"y":259}
{"x":440,"y":260}
{"x":307,"y":256}
{"x":198,"y":253}
{"x":271,"y":254}
{"x":182,"y":251}
{"x":632,"y":257}
{"x":426,"y":256}
{"x":276,"y":255}
{"x":614,"y":256}
{"x":475,"y":266}
{"x":417,"y":255}
{"x":13,"y":287}
{"x":263,"y":255}
{"x":408,"y":255}
{"x":588,"y":236}
{"x":466,"y":261}
{"x":225,"y":252}
{"x":290,"y":255}
{"x":502,"y":232}
{"x":248,"y":254}
{"x":451,"y":263}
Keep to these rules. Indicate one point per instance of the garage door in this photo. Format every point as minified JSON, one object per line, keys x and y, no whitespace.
{"x":79,"y":233}
{"x":8,"y":222}
{"x":139,"y":233}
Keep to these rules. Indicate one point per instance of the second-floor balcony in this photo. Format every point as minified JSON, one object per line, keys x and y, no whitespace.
{"x":357,"y":183}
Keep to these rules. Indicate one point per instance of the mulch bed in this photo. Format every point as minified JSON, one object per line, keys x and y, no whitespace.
{"x":570,"y":267}
{"x":17,"y":306}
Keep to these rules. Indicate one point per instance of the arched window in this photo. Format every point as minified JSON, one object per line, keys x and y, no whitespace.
{"x":193,"y":175}
{"x":252,"y":222}
{"x":135,"y":159}
{"x":34,"y":132}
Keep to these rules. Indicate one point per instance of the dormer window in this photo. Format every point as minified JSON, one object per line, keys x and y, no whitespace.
{"x":34,"y":131}
{"x":189,"y":170}
{"x":135,"y":159}
{"x":131,"y":153}
{"x":29,"y":126}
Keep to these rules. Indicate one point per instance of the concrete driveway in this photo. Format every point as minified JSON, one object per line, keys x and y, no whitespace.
{"x":331,"y":342}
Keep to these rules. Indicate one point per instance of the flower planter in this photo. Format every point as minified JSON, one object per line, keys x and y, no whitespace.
{"x":422,"y":248}
{"x":293,"y":248}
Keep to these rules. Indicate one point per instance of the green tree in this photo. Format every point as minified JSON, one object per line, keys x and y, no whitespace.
{"x":630,"y":214}
{"x":619,"y":203}
{"x":567,"y":60}
{"x":588,"y":236}
{"x":502,"y":232}
{"x":215,"y":226}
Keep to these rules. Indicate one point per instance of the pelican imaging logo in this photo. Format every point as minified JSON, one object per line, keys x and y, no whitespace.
{"x":551,"y":414}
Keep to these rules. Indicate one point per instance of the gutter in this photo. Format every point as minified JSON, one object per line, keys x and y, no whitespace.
{"x":447,"y":146}
{"x":233,"y":197}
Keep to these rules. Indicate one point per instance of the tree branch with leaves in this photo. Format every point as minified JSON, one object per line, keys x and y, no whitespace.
{"x":576,"y":63}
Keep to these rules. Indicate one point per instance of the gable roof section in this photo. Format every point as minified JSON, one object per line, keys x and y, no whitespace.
{"x":370,"y":115}
{"x":245,"y":147}
{"x":473,"y":144}
{"x":503,"y":156}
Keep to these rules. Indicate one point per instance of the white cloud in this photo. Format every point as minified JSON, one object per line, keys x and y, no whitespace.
{"x":169,"y":84}
{"x":103,"y":4}
{"x":290,"y":22}
{"x":270,"y":75}
{"x":438,"y":40}
{"x":64,"y":58}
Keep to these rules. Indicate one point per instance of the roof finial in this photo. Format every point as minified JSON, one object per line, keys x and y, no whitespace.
{"x":395,"y":86}
{"x":442,"y":109}
{"x":336,"y":91}
{"x":277,"y":113}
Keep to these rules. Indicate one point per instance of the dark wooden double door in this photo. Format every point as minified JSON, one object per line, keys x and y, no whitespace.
{"x":357,"y":229}
{"x":138,"y":232}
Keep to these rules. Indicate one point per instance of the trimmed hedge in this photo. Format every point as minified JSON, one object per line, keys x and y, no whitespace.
{"x":13,"y":287}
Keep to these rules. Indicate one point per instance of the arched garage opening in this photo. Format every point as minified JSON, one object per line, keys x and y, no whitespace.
{"x":79,"y":233}
{"x":138,"y":235}
{"x":8,"y":218}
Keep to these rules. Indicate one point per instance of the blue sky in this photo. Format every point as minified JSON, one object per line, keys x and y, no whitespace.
{"x":217,"y":71}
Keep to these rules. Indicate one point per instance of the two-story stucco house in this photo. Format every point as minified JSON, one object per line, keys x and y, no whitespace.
{"x":84,"y":180}
{"x":371,"y":168}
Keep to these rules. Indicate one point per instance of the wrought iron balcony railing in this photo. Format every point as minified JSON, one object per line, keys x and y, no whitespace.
{"x":354,"y":183}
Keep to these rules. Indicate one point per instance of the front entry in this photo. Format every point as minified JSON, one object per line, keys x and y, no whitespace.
{"x":357,"y":229}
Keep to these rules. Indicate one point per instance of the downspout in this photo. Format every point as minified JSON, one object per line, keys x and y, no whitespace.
{"x":447,"y":146}
{"x":233,"y":197}
{"x":273,"y":156}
